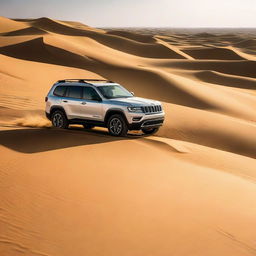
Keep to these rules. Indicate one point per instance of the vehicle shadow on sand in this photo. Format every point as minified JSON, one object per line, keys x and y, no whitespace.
{"x":41,"y":139}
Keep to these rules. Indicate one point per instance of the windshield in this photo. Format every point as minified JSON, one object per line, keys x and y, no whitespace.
{"x":114,"y":91}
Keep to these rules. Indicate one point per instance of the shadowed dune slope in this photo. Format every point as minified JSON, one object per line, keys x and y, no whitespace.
{"x":213,"y":53}
{"x":133,"y":36}
{"x":249,"y":43}
{"x":204,"y":35}
{"x":25,"y":32}
{"x":244,"y":68}
{"x":226,"y":80}
{"x":37,"y":50}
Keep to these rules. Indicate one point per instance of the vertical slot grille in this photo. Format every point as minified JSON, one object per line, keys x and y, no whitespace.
{"x":152,"y":109}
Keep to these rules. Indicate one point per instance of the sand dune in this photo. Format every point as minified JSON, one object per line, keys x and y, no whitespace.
{"x":8,"y":25}
{"x":249,"y":43}
{"x":37,"y":50}
{"x":226,"y":80}
{"x":147,"y":50}
{"x":53,"y":26}
{"x":113,"y":40}
{"x":204,"y":35}
{"x":114,"y":213}
{"x":133,"y":36}
{"x":213,"y":53}
{"x":187,"y":191}
{"x":26,"y":31}
{"x":233,"y":67}
{"x":211,"y":129}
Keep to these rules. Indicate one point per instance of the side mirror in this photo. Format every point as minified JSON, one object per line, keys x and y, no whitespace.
{"x":132,"y":93}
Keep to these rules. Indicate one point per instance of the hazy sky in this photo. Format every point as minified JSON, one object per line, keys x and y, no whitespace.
{"x":138,"y":13}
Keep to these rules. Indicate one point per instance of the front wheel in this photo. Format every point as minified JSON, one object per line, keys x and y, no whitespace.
{"x":150,"y":130}
{"x":59,"y":119}
{"x":117,"y":125}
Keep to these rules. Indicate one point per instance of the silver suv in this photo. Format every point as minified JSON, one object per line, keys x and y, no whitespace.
{"x":101,"y":103}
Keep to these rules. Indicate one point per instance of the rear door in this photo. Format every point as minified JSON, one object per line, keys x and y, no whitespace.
{"x":92,"y":108}
{"x":72,"y":102}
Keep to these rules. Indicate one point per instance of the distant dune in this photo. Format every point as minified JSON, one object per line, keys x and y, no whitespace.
{"x":189,"y":190}
{"x":213,"y":53}
{"x":8,"y":25}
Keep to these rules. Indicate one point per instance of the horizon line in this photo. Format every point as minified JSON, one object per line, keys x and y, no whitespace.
{"x":152,"y":27}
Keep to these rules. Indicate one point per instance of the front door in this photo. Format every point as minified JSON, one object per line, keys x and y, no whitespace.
{"x":92,"y":108}
{"x":72,"y":102}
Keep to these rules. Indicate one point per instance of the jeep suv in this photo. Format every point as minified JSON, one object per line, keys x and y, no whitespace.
{"x":101,"y":103}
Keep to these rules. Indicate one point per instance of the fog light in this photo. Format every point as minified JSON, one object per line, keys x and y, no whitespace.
{"x":136,"y":118}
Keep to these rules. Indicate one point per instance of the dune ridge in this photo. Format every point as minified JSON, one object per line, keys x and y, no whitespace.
{"x":189,"y":190}
{"x":25,"y":32}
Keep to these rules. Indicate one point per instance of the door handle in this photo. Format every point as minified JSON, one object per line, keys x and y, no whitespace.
{"x":83,"y":103}
{"x":65,"y":101}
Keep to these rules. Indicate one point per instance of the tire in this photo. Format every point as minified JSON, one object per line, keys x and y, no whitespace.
{"x":88,"y":126}
{"x":150,"y":130}
{"x":59,"y":119}
{"x":117,"y":125}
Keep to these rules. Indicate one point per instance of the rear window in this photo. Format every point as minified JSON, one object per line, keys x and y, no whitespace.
{"x":60,"y":91}
{"x":74,"y":92}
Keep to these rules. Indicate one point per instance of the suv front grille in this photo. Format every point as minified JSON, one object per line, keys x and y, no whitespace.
{"x":152,"y":109}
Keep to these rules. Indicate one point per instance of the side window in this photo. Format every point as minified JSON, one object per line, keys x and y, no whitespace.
{"x":60,"y":91}
{"x":90,"y":94}
{"x":74,"y":92}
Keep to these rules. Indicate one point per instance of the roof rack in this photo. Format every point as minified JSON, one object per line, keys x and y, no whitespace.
{"x":83,"y":80}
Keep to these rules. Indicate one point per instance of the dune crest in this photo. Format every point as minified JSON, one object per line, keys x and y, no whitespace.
{"x":26,"y":31}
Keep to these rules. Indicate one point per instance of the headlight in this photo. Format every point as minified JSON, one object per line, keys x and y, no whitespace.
{"x":135,"y":109}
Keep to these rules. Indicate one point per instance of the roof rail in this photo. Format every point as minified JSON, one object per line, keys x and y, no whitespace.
{"x":83,"y":80}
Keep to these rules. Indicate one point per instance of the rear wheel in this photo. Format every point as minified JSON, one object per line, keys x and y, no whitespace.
{"x":117,"y":125}
{"x":59,"y":119}
{"x":88,"y":126}
{"x":150,"y":130}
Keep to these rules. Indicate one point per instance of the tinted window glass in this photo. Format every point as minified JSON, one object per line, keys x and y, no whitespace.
{"x":75,"y":92}
{"x":114,"y":91}
{"x":90,"y":94}
{"x":60,"y":91}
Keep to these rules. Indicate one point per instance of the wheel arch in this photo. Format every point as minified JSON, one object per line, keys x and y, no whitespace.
{"x":114,"y":111}
{"x":54,"y":108}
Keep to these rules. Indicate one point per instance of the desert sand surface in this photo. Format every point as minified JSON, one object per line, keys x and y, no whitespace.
{"x":189,"y":190}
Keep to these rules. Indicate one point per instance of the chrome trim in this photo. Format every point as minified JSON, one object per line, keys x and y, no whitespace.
{"x":150,"y":125}
{"x":154,"y":109}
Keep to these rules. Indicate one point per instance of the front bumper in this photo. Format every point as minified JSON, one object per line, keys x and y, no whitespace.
{"x":145,"y":120}
{"x":148,"y":123}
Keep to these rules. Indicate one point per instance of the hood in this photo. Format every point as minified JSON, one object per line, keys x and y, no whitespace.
{"x":135,"y":101}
